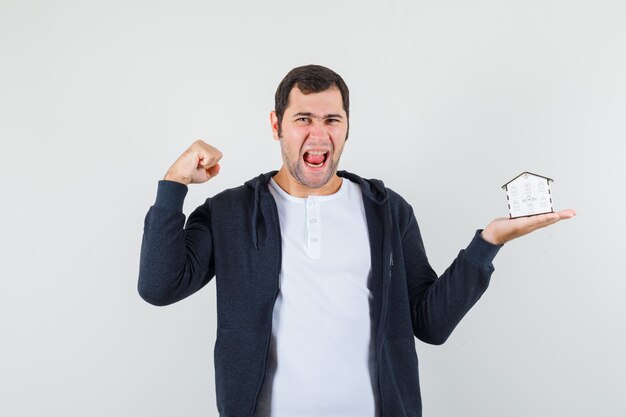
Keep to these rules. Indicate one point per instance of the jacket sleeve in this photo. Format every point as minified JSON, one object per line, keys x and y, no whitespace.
{"x":439,"y":304}
{"x":175,"y":262}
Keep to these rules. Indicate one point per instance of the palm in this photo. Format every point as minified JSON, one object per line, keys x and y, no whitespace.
{"x":503,"y":229}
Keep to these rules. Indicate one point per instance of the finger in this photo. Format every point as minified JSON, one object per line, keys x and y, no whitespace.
{"x":205,"y":153}
{"x":546,"y":219}
{"x":213,"y":171}
{"x":208,"y":160}
{"x":551,"y":218}
{"x":540,"y":226}
{"x":567,"y":214}
{"x":525,"y":223}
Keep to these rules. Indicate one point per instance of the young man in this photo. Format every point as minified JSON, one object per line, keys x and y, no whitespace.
{"x":322,"y":279}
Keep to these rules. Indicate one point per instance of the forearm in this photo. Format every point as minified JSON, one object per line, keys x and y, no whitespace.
{"x":438,"y":310}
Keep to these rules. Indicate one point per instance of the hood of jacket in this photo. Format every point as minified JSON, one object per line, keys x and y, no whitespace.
{"x":372,"y":189}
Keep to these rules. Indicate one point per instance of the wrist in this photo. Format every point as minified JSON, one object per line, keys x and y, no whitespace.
{"x":487,"y":236}
{"x":173,"y":176}
{"x":481,"y":251}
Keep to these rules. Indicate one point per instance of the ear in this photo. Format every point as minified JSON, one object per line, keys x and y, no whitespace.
{"x":274,"y":123}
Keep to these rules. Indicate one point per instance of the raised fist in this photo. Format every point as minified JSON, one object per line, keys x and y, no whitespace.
{"x":198,"y":164}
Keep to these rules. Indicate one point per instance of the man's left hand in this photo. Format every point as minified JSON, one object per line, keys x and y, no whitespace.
{"x":503,"y":229}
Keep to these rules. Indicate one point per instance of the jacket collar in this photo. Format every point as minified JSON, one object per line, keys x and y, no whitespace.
{"x":372,"y":189}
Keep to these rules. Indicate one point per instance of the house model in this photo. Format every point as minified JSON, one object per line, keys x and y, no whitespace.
{"x":529,"y":194}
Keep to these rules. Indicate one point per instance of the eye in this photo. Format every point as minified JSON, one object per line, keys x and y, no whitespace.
{"x":302,"y":119}
{"x":333,"y":120}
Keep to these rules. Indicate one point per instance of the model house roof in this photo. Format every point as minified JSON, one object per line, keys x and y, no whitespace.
{"x":526,"y":172}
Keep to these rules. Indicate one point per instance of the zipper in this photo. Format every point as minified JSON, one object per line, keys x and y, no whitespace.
{"x":383,"y":316}
{"x":269,"y":336}
{"x":381,"y":325}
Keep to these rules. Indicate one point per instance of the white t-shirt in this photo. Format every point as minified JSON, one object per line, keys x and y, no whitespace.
{"x":322,"y":351}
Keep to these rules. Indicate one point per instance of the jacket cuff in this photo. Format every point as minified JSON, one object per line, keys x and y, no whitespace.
{"x":481,"y":251}
{"x":171,"y":195}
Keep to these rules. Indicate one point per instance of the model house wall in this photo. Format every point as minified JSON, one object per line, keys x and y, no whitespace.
{"x":529,"y":194}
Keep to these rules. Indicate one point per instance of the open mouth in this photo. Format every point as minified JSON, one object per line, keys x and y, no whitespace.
{"x":315,"y":159}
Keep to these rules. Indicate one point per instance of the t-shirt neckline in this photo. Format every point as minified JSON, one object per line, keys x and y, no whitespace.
{"x":303,"y":200}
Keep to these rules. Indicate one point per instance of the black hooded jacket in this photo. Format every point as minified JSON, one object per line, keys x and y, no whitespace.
{"x":235,"y":237}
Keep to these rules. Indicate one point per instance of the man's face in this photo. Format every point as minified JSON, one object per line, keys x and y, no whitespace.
{"x":314,"y":129}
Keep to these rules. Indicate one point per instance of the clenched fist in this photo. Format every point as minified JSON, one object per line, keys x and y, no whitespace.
{"x":196,"y":165}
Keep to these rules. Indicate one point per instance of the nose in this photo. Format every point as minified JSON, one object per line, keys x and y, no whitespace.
{"x":318,"y":130}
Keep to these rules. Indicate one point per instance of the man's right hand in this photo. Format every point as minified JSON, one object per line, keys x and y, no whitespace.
{"x":198,"y":164}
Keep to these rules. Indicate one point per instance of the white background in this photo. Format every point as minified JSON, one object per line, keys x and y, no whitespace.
{"x":450,"y":100}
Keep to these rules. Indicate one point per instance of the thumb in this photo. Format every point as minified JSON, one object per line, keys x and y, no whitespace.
{"x":213,"y":171}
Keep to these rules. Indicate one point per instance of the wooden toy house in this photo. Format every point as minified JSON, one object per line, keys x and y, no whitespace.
{"x":529,"y":194}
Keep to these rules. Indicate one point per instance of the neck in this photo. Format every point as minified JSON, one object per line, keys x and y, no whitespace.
{"x":296,"y":189}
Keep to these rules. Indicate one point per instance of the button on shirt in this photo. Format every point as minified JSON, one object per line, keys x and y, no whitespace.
{"x":322,"y":355}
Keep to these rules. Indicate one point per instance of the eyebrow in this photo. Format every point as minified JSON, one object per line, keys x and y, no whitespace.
{"x":326,"y":116}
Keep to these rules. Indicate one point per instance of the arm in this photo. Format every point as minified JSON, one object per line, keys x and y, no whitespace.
{"x":175,"y":261}
{"x":438,"y":305}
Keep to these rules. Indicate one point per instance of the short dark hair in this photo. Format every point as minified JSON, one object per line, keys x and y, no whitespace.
{"x":309,"y":79}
